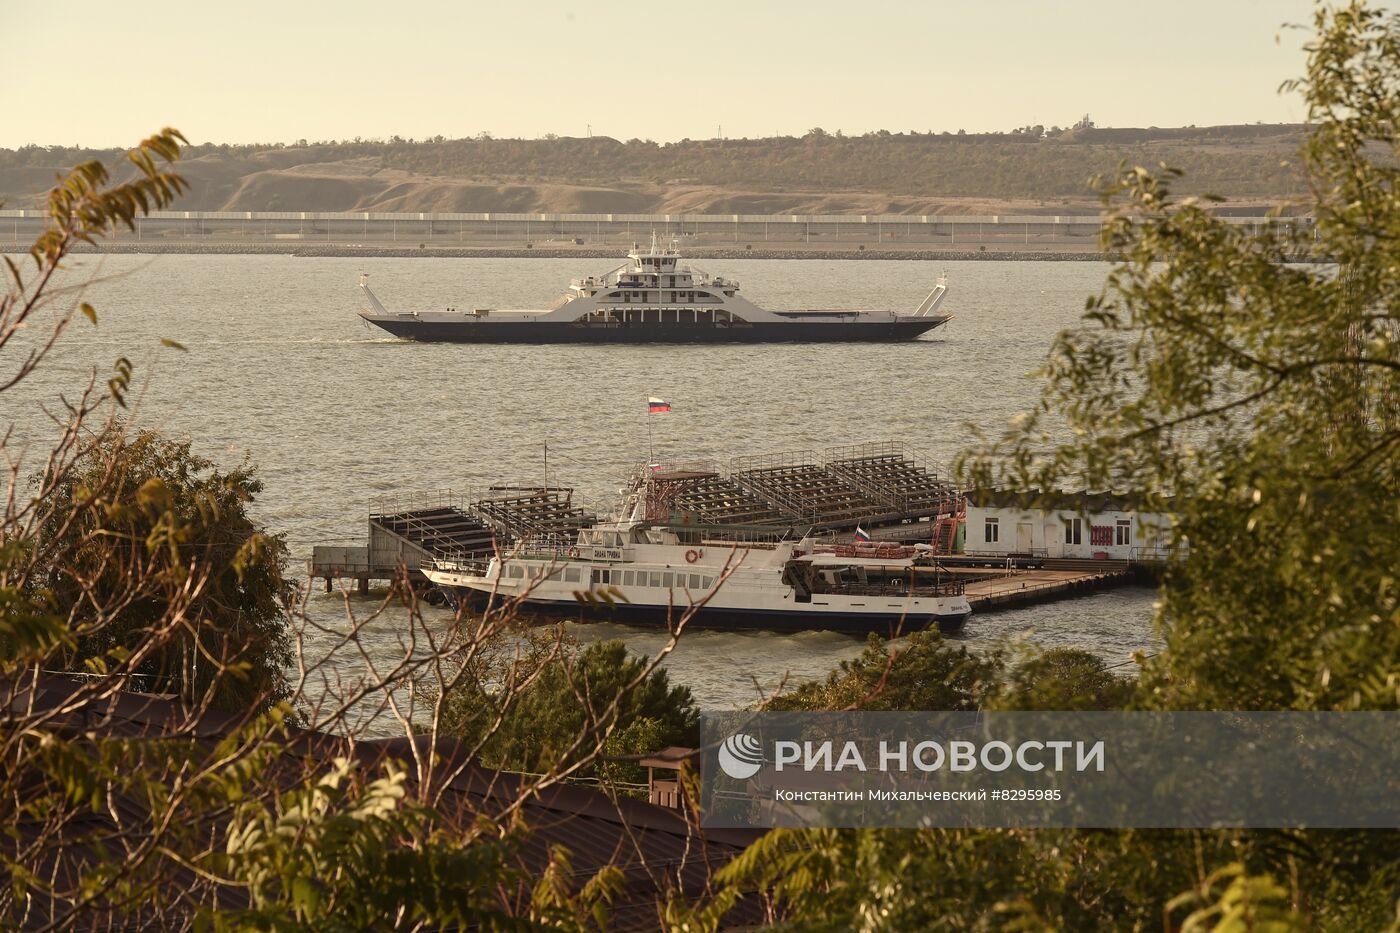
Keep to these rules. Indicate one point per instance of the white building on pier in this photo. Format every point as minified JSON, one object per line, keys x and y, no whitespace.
{"x":1104,"y":526}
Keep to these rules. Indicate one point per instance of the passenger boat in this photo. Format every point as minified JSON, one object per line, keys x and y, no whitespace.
{"x":655,"y":298}
{"x":634,"y":571}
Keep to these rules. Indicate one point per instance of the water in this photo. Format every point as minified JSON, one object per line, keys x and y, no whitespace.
{"x":279,"y":368}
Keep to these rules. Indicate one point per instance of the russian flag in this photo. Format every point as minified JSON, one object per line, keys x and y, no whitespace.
{"x":862,"y":537}
{"x":655,"y":405}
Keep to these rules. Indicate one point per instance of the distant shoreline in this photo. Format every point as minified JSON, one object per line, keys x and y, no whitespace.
{"x":396,"y":252}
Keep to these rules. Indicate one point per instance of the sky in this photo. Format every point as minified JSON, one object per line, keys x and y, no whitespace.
{"x":105,"y":74}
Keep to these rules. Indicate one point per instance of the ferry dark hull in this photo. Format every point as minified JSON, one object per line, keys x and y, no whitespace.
{"x":569,"y":332}
{"x":735,"y":619}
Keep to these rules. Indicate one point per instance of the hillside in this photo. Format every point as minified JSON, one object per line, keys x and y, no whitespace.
{"x":878,"y":173}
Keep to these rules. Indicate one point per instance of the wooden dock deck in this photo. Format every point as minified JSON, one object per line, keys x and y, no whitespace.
{"x":991,"y":590}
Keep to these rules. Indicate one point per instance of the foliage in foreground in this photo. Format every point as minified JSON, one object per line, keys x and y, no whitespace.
{"x":127,"y":526}
{"x":599,"y":689}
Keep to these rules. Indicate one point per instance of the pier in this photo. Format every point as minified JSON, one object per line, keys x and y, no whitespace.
{"x":410,"y":531}
{"x":885,"y":488}
{"x":888,"y":490}
{"x":989,"y":590}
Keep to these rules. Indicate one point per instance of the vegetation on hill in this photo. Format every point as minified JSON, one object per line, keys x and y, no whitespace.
{"x":880,"y":172}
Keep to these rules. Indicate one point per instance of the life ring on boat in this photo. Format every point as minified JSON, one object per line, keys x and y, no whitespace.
{"x":693,"y":555}
{"x":573,"y":553}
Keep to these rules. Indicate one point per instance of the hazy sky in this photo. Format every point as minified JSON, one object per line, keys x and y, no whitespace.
{"x":105,"y":74}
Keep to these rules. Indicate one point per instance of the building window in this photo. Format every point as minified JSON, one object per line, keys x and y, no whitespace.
{"x":1074,"y":531}
{"x":991,"y":532}
{"x":1123,"y":532}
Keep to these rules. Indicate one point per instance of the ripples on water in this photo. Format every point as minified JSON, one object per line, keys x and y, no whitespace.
{"x":337,"y":415}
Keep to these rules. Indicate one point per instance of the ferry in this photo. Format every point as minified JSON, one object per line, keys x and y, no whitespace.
{"x":633,"y":571}
{"x":655,"y":298}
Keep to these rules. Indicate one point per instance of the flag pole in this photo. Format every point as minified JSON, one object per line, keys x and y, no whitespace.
{"x":650,"y":454}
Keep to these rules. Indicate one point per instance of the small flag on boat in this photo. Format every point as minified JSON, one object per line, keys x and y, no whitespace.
{"x":655,"y":405}
{"x":862,"y":536}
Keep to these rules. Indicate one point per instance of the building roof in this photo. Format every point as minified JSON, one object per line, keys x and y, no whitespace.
{"x":672,"y":756}
{"x":657,"y":849}
{"x":1056,"y":500}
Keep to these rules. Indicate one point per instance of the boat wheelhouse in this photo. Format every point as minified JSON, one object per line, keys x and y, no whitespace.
{"x":655,"y":297}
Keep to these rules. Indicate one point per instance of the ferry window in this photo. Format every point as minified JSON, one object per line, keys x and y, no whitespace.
{"x":991,"y":532}
{"x":1123,"y":532}
{"x":705,"y":582}
{"x":517,"y":571}
{"x":627,"y":578}
{"x":695,"y":581}
{"x":668,"y":580}
{"x":655,"y":578}
{"x":1074,"y":529}
{"x":571,"y":574}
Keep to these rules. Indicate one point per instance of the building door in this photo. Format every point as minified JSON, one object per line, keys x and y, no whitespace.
{"x":1025,"y":537}
{"x":1054,"y":539}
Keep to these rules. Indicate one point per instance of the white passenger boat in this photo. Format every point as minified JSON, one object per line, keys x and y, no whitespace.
{"x":634,"y":571}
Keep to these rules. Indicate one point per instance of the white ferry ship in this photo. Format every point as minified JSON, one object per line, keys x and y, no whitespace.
{"x":636,"y":572}
{"x":655,"y":298}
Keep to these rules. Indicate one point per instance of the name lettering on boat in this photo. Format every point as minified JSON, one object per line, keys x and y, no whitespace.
{"x":607,"y":553}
